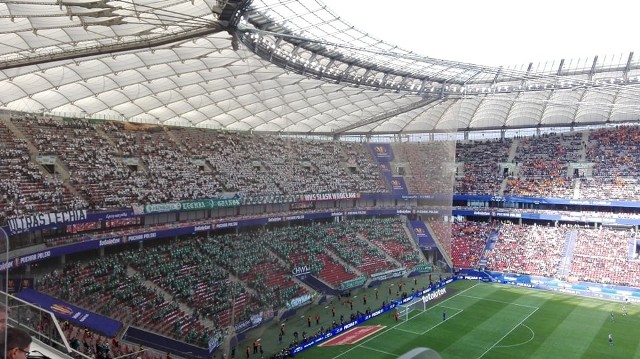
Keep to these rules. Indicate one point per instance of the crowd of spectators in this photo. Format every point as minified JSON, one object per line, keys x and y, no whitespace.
{"x":116,"y":164}
{"x":106,"y":287}
{"x":600,"y":255}
{"x":543,"y":164}
{"x":113,"y":164}
{"x":614,"y":154}
{"x":225,"y":279}
{"x":605,"y":256}
{"x":468,"y":240}
{"x":442,"y":231}
{"x":369,"y":246}
{"x":301,"y":247}
{"x":272,"y":165}
{"x":428,"y":167}
{"x":528,"y":249}
{"x":481,"y":174}
{"x":390,"y":235}
{"x":24,"y":187}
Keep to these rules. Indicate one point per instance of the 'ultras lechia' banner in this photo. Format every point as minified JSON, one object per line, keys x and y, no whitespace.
{"x":25,"y":223}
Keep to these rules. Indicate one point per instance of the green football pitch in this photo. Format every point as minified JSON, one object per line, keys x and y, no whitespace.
{"x":498,"y":321}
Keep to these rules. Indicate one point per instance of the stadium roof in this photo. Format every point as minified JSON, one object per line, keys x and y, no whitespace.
{"x":278,"y":66}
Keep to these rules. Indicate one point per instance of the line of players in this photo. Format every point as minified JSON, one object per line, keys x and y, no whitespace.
{"x":612,"y":318}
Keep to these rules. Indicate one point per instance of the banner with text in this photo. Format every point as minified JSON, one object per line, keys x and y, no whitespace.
{"x":73,"y":314}
{"x":26,"y":223}
{"x":196,"y":205}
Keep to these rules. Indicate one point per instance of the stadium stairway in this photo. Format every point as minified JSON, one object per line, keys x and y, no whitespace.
{"x":186,"y":309}
{"x":632,"y":246}
{"x":175,"y":139}
{"x":60,"y":167}
{"x":564,"y":267}
{"x":513,"y":150}
{"x":488,"y":247}
{"x":386,"y":255}
{"x":583,"y":151}
{"x":317,"y":285}
{"x":107,"y":138}
{"x":337,"y":258}
{"x":284,"y":264}
{"x":414,"y":239}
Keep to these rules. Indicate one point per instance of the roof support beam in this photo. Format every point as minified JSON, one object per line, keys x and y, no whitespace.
{"x":110,"y":49}
{"x":625,"y":74}
{"x":385,"y":115}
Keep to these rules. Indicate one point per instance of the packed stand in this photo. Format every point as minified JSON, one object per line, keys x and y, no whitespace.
{"x":481,"y":166}
{"x":271,"y":165}
{"x":192,"y":277}
{"x":615,"y":154}
{"x":390,"y":235}
{"x":248,"y":258}
{"x":431,"y":166}
{"x":543,"y":164}
{"x":442,"y":231}
{"x":114,"y":164}
{"x":346,"y":241}
{"x":604,"y":256}
{"x":171,"y":174}
{"x":93,"y":164}
{"x":24,"y":187}
{"x":468,"y":239}
{"x":528,"y":249}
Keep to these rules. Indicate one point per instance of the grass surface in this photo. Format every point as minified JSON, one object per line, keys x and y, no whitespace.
{"x":497,"y":321}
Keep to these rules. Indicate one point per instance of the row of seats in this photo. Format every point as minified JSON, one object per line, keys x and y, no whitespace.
{"x":599,"y":255}
{"x":114,"y":164}
{"x":176,"y":288}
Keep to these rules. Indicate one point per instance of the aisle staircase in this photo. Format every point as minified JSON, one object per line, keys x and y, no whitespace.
{"x":488,"y":247}
{"x":564,"y":267}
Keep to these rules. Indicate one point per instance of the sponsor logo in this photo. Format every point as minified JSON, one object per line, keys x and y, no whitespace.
{"x":202,"y":228}
{"x":34,"y":257}
{"x":117,"y":215}
{"x":349,"y":325}
{"x":143,"y":236}
{"x":433,"y":295}
{"x":380,"y":149}
{"x":109,"y":242}
{"x":304,"y":269}
{"x":227,"y":225}
{"x":299,"y":301}
{"x":61,"y":309}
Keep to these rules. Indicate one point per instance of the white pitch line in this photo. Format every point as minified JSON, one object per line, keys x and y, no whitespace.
{"x":382,"y":332}
{"x":509,"y":332}
{"x":408,"y":331}
{"x":533,"y":335}
{"x":500,"y":301}
{"x":380,"y":351}
{"x":430,"y":329}
{"x":442,"y":306}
